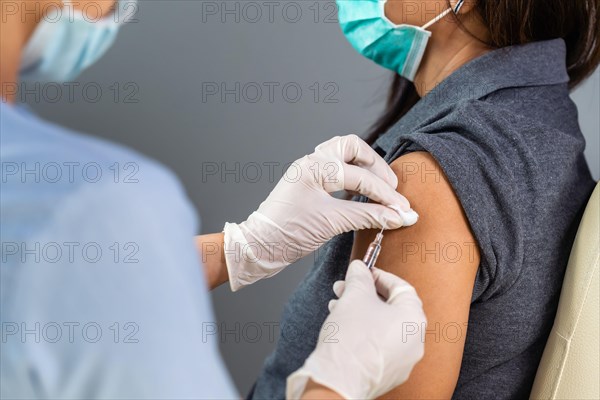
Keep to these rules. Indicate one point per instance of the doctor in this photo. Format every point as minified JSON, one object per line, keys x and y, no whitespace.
{"x":104,"y":293}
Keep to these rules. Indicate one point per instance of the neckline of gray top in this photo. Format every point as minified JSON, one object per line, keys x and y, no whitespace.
{"x":533,"y":64}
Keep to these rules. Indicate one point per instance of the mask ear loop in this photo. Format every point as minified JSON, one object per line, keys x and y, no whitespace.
{"x":458,"y":6}
{"x":456,"y":9}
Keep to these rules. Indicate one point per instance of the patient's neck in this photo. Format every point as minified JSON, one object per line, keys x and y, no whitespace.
{"x":449,"y":48}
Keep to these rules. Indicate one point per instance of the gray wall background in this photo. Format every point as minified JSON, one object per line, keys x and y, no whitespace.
{"x":165,"y":65}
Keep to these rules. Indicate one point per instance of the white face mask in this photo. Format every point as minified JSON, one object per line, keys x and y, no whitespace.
{"x":396,"y":47}
{"x":62,"y":46}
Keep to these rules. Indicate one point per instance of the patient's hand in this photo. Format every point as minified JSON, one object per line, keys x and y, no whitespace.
{"x":439,"y":257}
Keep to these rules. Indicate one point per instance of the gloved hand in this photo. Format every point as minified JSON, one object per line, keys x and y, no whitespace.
{"x":300,"y":214}
{"x":376,"y":341}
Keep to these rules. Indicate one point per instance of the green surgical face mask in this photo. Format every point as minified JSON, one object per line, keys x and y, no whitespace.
{"x":396,"y":47}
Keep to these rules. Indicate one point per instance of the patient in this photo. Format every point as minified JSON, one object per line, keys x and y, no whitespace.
{"x":487,"y":147}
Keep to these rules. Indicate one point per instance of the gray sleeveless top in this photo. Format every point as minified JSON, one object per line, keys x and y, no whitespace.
{"x":505,"y":132}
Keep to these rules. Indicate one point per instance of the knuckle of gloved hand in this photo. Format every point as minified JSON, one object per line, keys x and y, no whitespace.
{"x":298,"y":166}
{"x":327,"y":144}
{"x":353,"y":138}
{"x":311,"y":159}
{"x":353,"y":144}
{"x":361,"y":185}
{"x":304,"y":160}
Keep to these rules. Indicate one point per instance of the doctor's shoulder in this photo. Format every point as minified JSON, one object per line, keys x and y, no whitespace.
{"x":47,"y":167}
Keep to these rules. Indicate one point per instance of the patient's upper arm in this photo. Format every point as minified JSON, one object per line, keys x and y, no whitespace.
{"x":439,"y":256}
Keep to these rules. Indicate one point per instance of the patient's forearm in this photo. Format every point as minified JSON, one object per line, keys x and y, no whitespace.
{"x":212,"y":256}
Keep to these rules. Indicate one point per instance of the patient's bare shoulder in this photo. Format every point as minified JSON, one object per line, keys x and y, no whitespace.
{"x":439,"y":256}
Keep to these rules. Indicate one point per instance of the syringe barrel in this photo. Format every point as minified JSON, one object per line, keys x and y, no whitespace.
{"x":372,"y":253}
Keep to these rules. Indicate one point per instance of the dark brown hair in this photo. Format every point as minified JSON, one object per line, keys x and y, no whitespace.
{"x":514,"y":22}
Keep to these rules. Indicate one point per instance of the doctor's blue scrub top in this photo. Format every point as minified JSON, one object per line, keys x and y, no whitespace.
{"x":103,"y":294}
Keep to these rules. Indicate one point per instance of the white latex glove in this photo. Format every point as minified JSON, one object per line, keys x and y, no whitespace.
{"x":377,"y":340}
{"x":300,"y":214}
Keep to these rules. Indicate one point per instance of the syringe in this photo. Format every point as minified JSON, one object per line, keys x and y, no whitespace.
{"x":373,"y":251}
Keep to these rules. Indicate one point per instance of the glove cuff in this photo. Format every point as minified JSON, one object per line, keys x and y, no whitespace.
{"x":330,"y":375}
{"x":234,"y":242}
{"x":247,"y":257}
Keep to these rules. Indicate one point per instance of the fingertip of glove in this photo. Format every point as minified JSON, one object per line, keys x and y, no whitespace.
{"x":355,"y":269}
{"x":338,"y":288}
{"x":356,"y":264}
{"x":331,"y":304}
{"x":409,"y":217}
